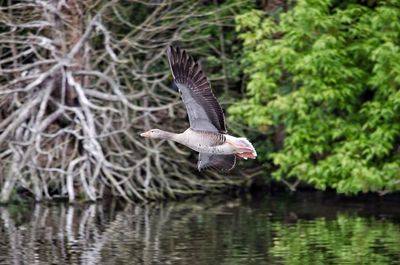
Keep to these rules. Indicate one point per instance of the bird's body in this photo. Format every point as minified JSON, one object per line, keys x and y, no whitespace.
{"x":208,"y":142}
{"x":207,"y":133}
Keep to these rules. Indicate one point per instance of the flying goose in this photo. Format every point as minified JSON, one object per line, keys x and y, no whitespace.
{"x":207,"y":133}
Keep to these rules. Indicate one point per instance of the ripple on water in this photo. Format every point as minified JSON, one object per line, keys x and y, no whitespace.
{"x":271,"y":230}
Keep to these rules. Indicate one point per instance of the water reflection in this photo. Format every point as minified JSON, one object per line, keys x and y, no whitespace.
{"x":268,"y":230}
{"x":346,"y":240}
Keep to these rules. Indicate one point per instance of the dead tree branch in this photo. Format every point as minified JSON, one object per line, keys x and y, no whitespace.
{"x":77,"y":88}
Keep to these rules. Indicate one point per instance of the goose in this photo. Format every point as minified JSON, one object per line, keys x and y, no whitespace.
{"x":207,"y":133}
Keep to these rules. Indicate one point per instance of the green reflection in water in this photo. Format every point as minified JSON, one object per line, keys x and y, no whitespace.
{"x":346,"y":240}
{"x":268,"y":230}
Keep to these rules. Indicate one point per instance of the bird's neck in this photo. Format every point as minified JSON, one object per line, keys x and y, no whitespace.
{"x":181,"y":138}
{"x":169,"y":136}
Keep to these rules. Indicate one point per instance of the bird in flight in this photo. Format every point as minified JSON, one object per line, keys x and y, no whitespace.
{"x":207,"y":133}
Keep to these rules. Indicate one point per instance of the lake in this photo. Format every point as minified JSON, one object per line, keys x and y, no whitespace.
{"x":300,"y":228}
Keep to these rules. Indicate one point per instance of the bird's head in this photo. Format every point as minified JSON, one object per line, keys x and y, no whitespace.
{"x":154,"y":134}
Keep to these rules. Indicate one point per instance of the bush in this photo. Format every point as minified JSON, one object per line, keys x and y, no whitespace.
{"x":328,"y":73}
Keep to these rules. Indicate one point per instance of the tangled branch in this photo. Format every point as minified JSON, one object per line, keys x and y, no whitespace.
{"x":77,"y":89}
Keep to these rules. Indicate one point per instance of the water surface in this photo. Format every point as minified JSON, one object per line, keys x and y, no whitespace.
{"x":279,"y":229}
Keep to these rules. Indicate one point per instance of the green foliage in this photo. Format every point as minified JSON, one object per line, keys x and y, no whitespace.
{"x":330,"y":74}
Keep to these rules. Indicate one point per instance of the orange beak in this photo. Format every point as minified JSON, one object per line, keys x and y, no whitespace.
{"x":145,"y":134}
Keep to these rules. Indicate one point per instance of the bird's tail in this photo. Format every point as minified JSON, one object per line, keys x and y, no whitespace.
{"x":249,"y":145}
{"x":243,"y":147}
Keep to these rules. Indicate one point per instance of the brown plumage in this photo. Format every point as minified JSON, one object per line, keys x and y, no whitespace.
{"x":207,"y":133}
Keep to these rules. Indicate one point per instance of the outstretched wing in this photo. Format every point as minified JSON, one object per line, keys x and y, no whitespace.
{"x":218,"y":162}
{"x":204,"y":111}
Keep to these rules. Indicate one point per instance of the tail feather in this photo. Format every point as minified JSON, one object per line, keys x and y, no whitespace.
{"x":247,"y":143}
{"x":243,"y":147}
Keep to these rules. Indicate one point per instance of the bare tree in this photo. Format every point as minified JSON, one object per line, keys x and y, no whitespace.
{"x":78,"y":81}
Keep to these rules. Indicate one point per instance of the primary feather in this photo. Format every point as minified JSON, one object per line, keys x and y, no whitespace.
{"x":203,"y":109}
{"x":207,"y":133}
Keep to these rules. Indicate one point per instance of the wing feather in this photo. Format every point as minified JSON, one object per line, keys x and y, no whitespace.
{"x":218,"y":162}
{"x":204,"y":111}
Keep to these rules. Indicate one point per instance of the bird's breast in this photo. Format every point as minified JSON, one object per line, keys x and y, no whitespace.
{"x":206,"y":142}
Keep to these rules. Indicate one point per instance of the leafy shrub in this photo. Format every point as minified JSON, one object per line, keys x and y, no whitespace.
{"x":328,"y":73}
